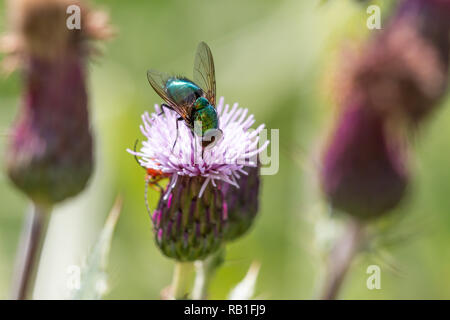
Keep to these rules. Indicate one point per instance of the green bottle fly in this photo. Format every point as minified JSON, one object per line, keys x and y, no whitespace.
{"x":194,"y":102}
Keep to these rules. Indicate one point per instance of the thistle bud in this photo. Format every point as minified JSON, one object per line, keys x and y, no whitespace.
{"x":242,"y":204}
{"x":397,"y":80}
{"x":50,"y":158}
{"x":189,"y":227}
{"x":50,"y":153}
{"x":363,"y":170}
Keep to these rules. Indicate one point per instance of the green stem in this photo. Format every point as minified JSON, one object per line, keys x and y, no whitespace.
{"x":29,"y":251}
{"x":181,"y":280}
{"x":341,"y":257}
{"x":205,"y":272}
{"x":202,"y":281}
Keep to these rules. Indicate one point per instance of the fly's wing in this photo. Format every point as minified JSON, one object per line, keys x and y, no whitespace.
{"x":158,"y":82}
{"x":204,"y":74}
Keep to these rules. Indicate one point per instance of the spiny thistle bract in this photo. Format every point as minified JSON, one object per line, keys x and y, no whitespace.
{"x":242,"y":205}
{"x":192,"y":217}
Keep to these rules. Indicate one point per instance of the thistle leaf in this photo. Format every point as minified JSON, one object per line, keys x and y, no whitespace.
{"x":93,"y":277}
{"x":245,"y":289}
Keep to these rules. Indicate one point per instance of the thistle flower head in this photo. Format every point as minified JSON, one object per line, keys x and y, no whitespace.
{"x":225,"y":161}
{"x":193,"y":219}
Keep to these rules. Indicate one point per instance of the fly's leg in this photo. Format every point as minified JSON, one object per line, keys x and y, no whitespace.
{"x":163,"y":105}
{"x":178,"y":120}
{"x":135,"y":156}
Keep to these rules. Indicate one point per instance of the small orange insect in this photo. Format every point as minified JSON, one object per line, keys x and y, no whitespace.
{"x":152,"y":177}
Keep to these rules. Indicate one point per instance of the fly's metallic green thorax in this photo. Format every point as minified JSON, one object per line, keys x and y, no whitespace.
{"x":204,"y":119}
{"x":201,"y":103}
{"x":182,"y":91}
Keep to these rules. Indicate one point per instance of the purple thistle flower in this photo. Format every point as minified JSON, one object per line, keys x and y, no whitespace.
{"x":192,"y":217}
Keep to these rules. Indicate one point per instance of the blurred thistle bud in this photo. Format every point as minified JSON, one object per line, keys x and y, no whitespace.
{"x":242,"y":206}
{"x":50,"y":154}
{"x":193,"y":214}
{"x":363,"y":170}
{"x":402,"y":71}
{"x":395,"y":81}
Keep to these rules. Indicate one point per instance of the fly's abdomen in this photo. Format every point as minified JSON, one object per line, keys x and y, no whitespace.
{"x":183,"y":91}
{"x":205,"y":119}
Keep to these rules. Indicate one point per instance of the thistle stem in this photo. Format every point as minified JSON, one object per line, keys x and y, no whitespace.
{"x":181,"y":280}
{"x":340,"y":259}
{"x":205,"y":272}
{"x":202,"y":280}
{"x":29,"y":251}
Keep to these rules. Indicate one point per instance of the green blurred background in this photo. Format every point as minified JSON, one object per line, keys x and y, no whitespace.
{"x":275,"y":58}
